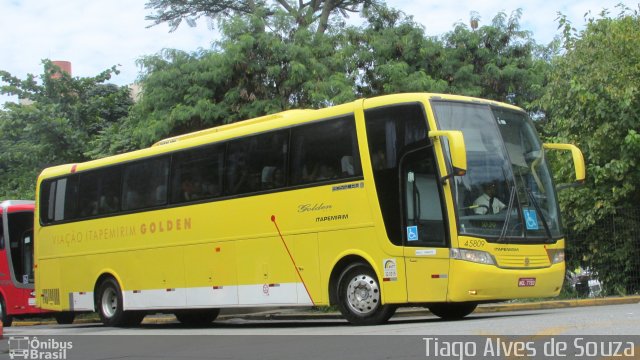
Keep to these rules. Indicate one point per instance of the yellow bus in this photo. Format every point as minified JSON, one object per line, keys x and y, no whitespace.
{"x":410,"y":199}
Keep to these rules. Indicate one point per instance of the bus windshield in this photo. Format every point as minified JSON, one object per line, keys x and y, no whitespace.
{"x":507,"y":194}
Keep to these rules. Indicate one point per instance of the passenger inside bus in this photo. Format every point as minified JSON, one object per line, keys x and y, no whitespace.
{"x":272,"y":177}
{"x":188,"y":189}
{"x":347,"y":165}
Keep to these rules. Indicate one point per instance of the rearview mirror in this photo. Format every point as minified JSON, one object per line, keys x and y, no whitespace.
{"x":457,"y":150}
{"x":576,"y":154}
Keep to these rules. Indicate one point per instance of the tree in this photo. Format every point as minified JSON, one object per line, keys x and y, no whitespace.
{"x":249,"y":73}
{"x":304,"y":13}
{"x":55,"y":124}
{"x":391,"y":54}
{"x":499,"y":61}
{"x":266,"y":64}
{"x":593,"y":101}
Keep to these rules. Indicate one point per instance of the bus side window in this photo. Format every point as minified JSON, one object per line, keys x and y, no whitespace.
{"x":197,"y":174}
{"x":59,"y":199}
{"x":423,"y":201}
{"x":88,"y":194}
{"x":47,"y":201}
{"x":237,"y":170}
{"x":256,"y":163}
{"x":145,"y":184}
{"x":391,"y":132}
{"x":325,"y":151}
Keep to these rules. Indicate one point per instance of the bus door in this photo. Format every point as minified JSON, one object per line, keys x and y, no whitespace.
{"x":425,"y":238}
{"x":20,"y":249}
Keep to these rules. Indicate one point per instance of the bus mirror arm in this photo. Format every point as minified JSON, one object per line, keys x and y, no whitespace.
{"x":457,"y":152}
{"x":578,"y":163}
{"x":450,"y":175}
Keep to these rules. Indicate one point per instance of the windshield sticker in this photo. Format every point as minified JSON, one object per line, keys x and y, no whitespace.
{"x":412,"y":233}
{"x":531,"y":219}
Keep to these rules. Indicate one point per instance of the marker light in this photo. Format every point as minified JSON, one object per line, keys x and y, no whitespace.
{"x":476,"y":256}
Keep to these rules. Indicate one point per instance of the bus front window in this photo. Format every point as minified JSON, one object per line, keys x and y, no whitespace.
{"x":507,"y":193}
{"x":536,"y":192}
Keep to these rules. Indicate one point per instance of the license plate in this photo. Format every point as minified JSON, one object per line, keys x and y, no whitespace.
{"x":524,"y":282}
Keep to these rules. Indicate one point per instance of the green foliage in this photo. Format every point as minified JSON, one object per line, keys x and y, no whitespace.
{"x":55,"y":124}
{"x":266,"y":64}
{"x":250,"y":73}
{"x":315,"y":13}
{"x":593,"y":101}
{"x":391,"y":54}
{"x":499,"y":61}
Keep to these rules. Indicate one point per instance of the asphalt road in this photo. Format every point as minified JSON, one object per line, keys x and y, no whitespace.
{"x":320,"y":338}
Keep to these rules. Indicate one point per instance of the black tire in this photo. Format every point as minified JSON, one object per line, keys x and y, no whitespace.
{"x":64,"y":318}
{"x":110,"y":307}
{"x":197,"y":317}
{"x":7,"y":320}
{"x":452,"y":311}
{"x":359,"y":296}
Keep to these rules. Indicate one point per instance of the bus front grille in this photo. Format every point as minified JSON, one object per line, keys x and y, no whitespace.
{"x":523,"y":261}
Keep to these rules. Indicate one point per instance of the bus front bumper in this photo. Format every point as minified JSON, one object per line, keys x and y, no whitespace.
{"x":478,"y":282}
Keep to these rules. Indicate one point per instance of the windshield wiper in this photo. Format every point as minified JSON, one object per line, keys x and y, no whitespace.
{"x":512,"y":196}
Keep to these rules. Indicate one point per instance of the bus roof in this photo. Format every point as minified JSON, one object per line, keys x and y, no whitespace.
{"x":228,"y":131}
{"x":230,"y":126}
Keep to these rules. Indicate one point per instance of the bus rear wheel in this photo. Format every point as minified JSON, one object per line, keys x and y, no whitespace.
{"x":66,"y":317}
{"x":452,"y":311}
{"x":359,"y":298}
{"x":197,"y":317}
{"x":110,"y":306}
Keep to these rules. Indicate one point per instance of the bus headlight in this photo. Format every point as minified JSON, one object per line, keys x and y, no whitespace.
{"x":556,"y":256}
{"x":476,"y":256}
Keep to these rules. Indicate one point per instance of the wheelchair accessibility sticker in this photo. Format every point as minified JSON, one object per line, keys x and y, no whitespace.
{"x":412,"y":233}
{"x":530,"y":219}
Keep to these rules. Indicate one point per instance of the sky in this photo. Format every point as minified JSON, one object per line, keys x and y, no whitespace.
{"x":95,"y":35}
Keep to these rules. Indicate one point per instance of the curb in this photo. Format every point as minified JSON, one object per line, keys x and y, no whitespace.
{"x":482,"y":309}
{"x":305,"y":314}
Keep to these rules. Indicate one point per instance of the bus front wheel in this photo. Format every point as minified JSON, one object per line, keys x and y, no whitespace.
{"x":110,"y":306}
{"x":7,"y":319}
{"x":452,"y":311}
{"x":359,"y":297}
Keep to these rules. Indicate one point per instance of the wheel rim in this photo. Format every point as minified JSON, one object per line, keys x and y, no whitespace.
{"x":363,"y":294}
{"x":109,"y":302}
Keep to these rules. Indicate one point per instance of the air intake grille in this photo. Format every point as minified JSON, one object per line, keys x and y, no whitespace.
{"x":51,"y":296}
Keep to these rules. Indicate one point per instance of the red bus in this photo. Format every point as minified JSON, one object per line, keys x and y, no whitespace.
{"x":17,"y":295}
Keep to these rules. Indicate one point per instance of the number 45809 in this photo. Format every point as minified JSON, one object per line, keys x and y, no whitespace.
{"x":474,"y":243}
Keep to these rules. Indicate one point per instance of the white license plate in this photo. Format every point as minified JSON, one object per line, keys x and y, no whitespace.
{"x":524,"y":282}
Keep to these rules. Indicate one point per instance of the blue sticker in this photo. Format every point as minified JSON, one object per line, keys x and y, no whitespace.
{"x":412,"y":233}
{"x":530,"y":219}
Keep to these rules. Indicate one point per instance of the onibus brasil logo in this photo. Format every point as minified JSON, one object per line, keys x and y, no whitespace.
{"x":32,"y":348}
